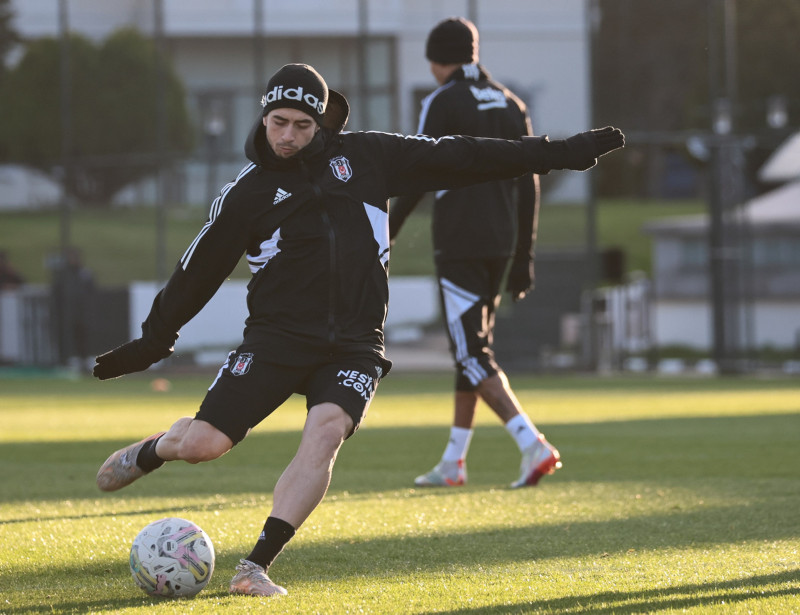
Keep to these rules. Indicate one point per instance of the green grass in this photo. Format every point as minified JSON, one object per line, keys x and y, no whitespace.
{"x":619,"y":225}
{"x":120,"y":245}
{"x":676,"y":496}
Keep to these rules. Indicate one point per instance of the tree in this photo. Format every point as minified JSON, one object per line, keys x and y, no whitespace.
{"x":8,"y":38}
{"x":8,"y":35}
{"x":648,"y":59}
{"x":768,"y":58}
{"x":113,"y":113}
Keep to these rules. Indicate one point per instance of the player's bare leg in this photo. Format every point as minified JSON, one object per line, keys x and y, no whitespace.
{"x":452,"y":468}
{"x":496,"y":392}
{"x":188,"y":439}
{"x":299,"y":490}
{"x":539,"y":457}
{"x":193,"y":441}
{"x":466,"y":406}
{"x":305,"y":480}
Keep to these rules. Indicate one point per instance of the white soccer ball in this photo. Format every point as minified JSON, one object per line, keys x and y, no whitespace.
{"x":172,"y":557}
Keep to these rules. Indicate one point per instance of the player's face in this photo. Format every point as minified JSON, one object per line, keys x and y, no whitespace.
{"x":289,"y":131}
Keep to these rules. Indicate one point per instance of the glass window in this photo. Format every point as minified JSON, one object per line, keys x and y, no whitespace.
{"x":214,"y":121}
{"x":776,"y":251}
{"x":693,"y":252}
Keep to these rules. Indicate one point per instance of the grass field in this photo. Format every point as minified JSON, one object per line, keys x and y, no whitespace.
{"x":676,"y":496}
{"x":120,"y":245}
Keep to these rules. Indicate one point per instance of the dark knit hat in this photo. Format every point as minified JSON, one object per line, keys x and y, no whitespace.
{"x":453,"y":41}
{"x":297,"y":86}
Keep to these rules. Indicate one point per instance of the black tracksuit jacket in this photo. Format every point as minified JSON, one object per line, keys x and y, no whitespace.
{"x":315,"y":232}
{"x":484,"y":221}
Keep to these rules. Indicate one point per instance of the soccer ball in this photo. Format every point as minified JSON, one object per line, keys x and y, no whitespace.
{"x":172,"y":557}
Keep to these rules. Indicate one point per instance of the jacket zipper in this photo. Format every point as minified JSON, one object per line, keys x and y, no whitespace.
{"x":331,"y":254}
{"x":332,"y":289}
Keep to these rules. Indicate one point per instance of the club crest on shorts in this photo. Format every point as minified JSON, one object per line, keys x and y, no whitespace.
{"x":241,"y":364}
{"x":341,"y":168}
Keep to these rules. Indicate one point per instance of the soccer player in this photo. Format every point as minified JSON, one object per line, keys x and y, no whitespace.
{"x":479,"y":232}
{"x":310,"y":213}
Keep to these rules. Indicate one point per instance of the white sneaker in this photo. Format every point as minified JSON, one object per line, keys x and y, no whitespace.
{"x":538,"y":459}
{"x":445,"y":474}
{"x":252,"y":579}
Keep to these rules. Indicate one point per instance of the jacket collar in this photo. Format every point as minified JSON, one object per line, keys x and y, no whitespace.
{"x":469,"y":72}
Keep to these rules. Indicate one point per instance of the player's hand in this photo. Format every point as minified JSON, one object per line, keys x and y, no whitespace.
{"x":135,"y":356}
{"x":520,"y":277}
{"x":581,"y":151}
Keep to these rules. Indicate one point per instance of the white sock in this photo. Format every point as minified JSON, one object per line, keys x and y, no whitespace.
{"x":522,"y":430}
{"x":458,"y":444}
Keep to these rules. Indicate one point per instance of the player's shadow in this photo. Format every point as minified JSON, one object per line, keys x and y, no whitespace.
{"x":497,"y":547}
{"x":671,"y":598}
{"x":375,"y":559}
{"x":381,"y":459}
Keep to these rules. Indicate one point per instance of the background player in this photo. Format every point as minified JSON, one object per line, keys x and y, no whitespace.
{"x":477,"y":232}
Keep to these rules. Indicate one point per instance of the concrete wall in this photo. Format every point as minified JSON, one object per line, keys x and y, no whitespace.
{"x":219,"y":325}
{"x":688,"y":323}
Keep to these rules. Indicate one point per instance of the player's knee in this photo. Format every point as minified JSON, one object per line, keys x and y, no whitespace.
{"x":197,"y":452}
{"x":328,"y":441}
{"x":205,"y":445}
{"x":326,"y":429}
{"x":179,"y":427}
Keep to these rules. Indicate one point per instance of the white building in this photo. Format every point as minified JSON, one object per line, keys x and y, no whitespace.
{"x":225,"y":52}
{"x":768,"y":257}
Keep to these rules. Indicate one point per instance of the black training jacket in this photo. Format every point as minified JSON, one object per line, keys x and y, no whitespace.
{"x":489,"y":220}
{"x":315,"y":231}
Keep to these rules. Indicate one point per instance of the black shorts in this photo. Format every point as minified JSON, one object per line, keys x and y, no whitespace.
{"x":469,"y":291}
{"x":248,"y":389}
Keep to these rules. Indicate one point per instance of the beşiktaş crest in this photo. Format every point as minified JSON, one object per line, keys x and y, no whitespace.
{"x":341,"y":168}
{"x":241,"y":364}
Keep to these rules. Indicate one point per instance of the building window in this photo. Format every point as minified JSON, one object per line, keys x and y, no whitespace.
{"x":214,"y":121}
{"x":776,"y":252}
{"x":693,"y":253}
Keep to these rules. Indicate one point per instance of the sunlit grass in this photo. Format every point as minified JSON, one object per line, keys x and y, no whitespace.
{"x":675,"y":496}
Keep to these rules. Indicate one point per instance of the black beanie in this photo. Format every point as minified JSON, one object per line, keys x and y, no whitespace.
{"x":453,"y":41}
{"x":297,"y":86}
